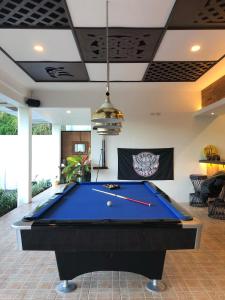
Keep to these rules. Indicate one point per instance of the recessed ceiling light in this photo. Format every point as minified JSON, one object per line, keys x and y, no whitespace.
{"x":38,"y":48}
{"x":195,"y":48}
{"x":212,"y":113}
{"x":68,"y":111}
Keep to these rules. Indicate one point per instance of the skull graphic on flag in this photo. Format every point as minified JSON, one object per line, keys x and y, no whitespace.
{"x":145,"y":163}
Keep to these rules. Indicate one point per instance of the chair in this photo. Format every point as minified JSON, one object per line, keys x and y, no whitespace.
{"x":195,"y":200}
{"x":216,"y":206}
{"x":212,"y":186}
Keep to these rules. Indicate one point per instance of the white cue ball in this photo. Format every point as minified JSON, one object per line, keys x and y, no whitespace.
{"x":109,"y":203}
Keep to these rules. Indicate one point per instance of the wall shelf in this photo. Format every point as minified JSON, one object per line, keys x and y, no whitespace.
{"x":100,"y":168}
{"x":212,"y":110}
{"x":216,"y":162}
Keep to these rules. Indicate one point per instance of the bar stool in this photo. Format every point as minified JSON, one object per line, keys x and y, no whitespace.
{"x":195,"y":199}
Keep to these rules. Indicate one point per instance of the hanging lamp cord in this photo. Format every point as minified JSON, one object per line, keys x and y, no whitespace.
{"x":107,"y":49}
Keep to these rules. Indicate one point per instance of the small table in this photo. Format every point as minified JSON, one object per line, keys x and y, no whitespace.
{"x":195,"y":199}
{"x":87,"y":235}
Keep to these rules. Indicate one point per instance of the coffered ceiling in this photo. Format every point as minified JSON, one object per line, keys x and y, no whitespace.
{"x":149,"y":40}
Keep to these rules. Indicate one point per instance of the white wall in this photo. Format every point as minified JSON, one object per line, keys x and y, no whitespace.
{"x":9,"y":166}
{"x":187,"y":135}
{"x":176,"y":127}
{"x":45,"y":159}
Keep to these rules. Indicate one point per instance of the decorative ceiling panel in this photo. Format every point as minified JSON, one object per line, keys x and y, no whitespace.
{"x":149,"y":40}
{"x":176,"y":70}
{"x":198,"y":14}
{"x":55,"y":71}
{"x":33,"y":13}
{"x":125,"y":44}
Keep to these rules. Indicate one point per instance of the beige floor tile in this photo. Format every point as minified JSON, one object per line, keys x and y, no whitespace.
{"x":201,"y":296}
{"x":189,"y":275}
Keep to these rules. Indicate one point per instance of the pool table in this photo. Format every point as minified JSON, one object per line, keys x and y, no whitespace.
{"x":89,"y":234}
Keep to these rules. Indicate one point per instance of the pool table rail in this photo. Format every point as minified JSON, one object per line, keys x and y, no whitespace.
{"x":167,"y":200}
{"x":172,"y":205}
{"x":110,"y":237}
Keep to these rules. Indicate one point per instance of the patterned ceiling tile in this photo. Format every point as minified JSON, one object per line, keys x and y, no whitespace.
{"x":198,"y":14}
{"x":134,"y":37}
{"x":33,"y":13}
{"x":175,"y":71}
{"x":55,"y":71}
{"x":125,"y":44}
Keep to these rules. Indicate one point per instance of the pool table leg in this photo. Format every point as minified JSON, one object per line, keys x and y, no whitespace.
{"x":65,"y":287}
{"x":155,"y":286}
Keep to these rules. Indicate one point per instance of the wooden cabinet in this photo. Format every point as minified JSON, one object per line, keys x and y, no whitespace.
{"x":70,"y":138}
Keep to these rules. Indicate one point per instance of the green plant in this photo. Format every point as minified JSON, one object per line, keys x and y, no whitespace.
{"x":77,"y":167}
{"x":40,"y":186}
{"x":8,"y":124}
{"x":8,"y":198}
{"x":8,"y":201}
{"x":42,"y":129}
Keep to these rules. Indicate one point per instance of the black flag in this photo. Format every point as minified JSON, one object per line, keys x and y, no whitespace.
{"x":152,"y":164}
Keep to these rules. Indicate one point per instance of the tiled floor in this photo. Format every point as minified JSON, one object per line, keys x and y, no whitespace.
{"x":191,"y":274}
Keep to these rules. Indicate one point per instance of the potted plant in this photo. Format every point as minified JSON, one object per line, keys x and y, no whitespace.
{"x":78,"y":168}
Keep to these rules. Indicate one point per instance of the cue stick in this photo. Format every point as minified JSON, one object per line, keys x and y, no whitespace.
{"x":123,"y":197}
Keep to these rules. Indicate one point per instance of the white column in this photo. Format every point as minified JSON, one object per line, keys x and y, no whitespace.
{"x":25,"y":155}
{"x":56,"y":151}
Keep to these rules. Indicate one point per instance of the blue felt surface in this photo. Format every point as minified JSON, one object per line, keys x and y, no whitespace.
{"x":82,"y":203}
{"x":40,"y":210}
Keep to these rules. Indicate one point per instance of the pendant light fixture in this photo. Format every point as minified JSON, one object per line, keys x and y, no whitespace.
{"x":107,"y":118}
